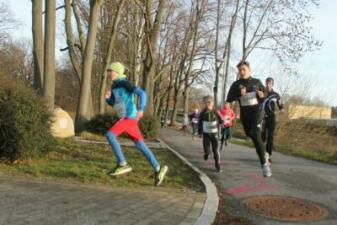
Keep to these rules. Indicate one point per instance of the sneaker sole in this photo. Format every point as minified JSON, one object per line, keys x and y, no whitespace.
{"x":268,"y":175}
{"x":121,"y":173}
{"x":164,"y":174}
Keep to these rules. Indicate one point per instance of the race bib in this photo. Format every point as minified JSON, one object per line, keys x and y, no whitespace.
{"x":210,"y":127}
{"x":195,"y":120}
{"x":249,"y":99}
{"x":120,"y":110}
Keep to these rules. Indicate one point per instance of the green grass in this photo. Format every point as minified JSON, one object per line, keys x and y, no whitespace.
{"x":88,"y":163}
{"x":322,"y":156}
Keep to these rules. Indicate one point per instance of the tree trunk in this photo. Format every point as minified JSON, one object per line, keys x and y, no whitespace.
{"x":37,"y":31}
{"x":83,"y":113}
{"x":186,"y":95}
{"x":153,"y":30}
{"x":217,"y":68}
{"x":167,"y":107}
{"x":70,"y":40}
{"x":228,"y":49}
{"x":108,"y":56}
{"x":49,"y":54}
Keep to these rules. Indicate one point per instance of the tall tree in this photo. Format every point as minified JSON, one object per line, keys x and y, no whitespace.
{"x":83,"y":113}
{"x":152,"y":34}
{"x":49,"y":54}
{"x":38,"y":48}
{"x":112,"y":37}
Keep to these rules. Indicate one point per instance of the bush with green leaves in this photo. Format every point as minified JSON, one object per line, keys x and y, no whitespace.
{"x":149,"y":125}
{"x":24,"y":122}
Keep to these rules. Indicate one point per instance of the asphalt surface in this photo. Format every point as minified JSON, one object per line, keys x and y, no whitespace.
{"x":241,"y":178}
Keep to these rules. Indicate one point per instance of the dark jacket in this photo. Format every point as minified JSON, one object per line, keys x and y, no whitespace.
{"x":273,"y":99}
{"x":251,"y":84}
{"x":208,"y":116}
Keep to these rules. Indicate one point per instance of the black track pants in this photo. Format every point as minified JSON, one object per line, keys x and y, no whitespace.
{"x":208,"y":140}
{"x":250,"y":120}
{"x":268,"y":133}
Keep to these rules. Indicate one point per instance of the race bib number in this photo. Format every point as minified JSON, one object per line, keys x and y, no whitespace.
{"x":210,"y":127}
{"x":249,"y":99}
{"x":195,"y":120}
{"x":120,"y":110}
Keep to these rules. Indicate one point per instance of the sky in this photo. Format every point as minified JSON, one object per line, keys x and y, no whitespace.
{"x":318,"y":68}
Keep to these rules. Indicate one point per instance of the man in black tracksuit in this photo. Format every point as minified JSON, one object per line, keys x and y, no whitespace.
{"x":209,"y":120}
{"x":269,"y":104}
{"x":250,"y":92}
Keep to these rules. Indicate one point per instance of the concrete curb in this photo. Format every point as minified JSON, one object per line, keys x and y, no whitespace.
{"x":212,"y":201}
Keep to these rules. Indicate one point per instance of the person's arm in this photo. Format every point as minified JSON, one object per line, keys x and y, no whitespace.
{"x":261,"y":90}
{"x":232,"y":94}
{"x":200,"y":124}
{"x":130,"y":87}
{"x":110,"y":100}
{"x":279,"y":102}
{"x":142,"y":99}
{"x":232,"y":115}
{"x":220,"y":118}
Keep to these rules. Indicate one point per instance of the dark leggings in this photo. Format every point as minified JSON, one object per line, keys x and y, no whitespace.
{"x":250,"y":121}
{"x":194,"y":128}
{"x":268,"y":133}
{"x":226,"y":133}
{"x":208,"y":140}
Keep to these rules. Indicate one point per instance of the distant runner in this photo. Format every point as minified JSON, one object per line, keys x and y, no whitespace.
{"x":273,"y":99}
{"x":209,"y":121}
{"x":250,"y":93}
{"x":228,"y":116}
{"x":194,"y":119}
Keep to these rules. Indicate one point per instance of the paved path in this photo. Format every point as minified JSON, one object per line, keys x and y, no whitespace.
{"x":242,"y":178}
{"x":24,"y":202}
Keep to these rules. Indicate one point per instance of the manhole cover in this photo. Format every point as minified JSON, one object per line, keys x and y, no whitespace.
{"x":286,"y":208}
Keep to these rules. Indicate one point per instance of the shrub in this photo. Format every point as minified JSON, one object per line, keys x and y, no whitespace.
{"x":100,"y":124}
{"x":24,"y":122}
{"x":149,"y":125}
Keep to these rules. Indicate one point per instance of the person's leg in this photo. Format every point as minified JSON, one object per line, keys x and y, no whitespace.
{"x":228,"y":134}
{"x":206,"y":144}
{"x":223,"y":130}
{"x":270,"y":139}
{"x":112,"y":135}
{"x":258,"y":143}
{"x":264,"y":130}
{"x":254,"y":132}
{"x":216,"y":153}
{"x":135,"y":134}
{"x":193,"y":129}
{"x":112,"y":139}
{"x":117,"y":129}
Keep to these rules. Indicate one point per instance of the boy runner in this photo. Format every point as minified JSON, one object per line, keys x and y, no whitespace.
{"x":228,"y":117}
{"x":194,"y":118}
{"x":208,"y":129}
{"x":273,"y":99}
{"x":121,"y":97}
{"x":250,"y":92}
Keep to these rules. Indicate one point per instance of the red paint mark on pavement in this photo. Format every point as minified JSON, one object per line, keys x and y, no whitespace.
{"x":257,"y":184}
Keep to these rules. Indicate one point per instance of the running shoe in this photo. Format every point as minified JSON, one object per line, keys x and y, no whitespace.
{"x":266,"y":170}
{"x":205,"y":157}
{"x":159,"y":176}
{"x":119,"y":170}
